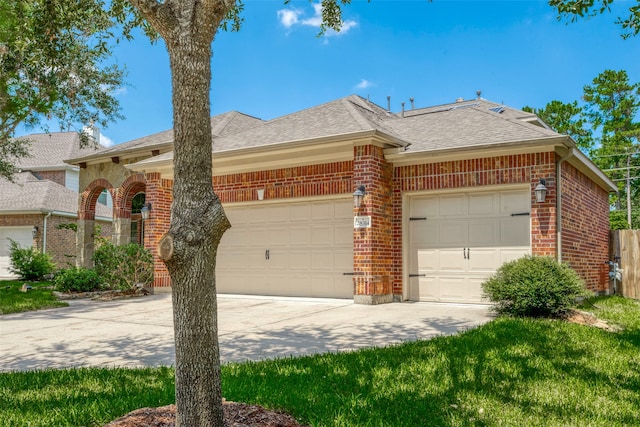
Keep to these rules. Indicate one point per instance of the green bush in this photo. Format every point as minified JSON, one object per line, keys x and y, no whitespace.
{"x":124,"y":266}
{"x":78,"y":280}
{"x":534,"y":287}
{"x":29,"y":263}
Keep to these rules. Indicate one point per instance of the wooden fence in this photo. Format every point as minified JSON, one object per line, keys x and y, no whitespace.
{"x":626,"y":245}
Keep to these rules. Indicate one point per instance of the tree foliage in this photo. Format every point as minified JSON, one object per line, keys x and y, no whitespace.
{"x":567,"y":119}
{"x":573,"y":10}
{"x":604,"y":125}
{"x":54,"y":66}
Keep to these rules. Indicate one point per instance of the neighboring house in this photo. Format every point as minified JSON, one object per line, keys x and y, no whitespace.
{"x":43,"y":196}
{"x":449,"y":195}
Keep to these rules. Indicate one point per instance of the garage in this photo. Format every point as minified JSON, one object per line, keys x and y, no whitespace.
{"x":22,"y":235}
{"x":297,"y":249}
{"x":456,"y":240}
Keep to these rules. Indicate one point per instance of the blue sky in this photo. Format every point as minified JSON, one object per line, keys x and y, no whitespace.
{"x":515,"y":52}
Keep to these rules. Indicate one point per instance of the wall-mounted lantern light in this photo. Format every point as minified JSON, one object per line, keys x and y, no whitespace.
{"x":34,"y":232}
{"x":358,"y":195}
{"x":541,"y":191}
{"x":145,"y":211}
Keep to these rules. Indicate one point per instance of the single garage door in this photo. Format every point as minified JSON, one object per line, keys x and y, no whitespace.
{"x":458,"y":240}
{"x":22,"y":235}
{"x":289,"y":249}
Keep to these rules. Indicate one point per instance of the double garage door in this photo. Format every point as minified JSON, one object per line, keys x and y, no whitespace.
{"x":292,"y":249}
{"x":458,"y":240}
{"x":22,"y":235}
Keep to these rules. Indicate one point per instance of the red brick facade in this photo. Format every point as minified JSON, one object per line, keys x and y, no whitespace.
{"x":378,"y":251}
{"x":585,"y":227}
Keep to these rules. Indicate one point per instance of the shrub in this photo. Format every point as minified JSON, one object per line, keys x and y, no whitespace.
{"x":78,"y":280}
{"x":535,"y":287}
{"x":29,"y":263}
{"x":124,"y":266}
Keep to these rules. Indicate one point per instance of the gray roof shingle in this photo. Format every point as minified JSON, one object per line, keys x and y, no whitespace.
{"x":49,"y":150}
{"x":29,"y":193}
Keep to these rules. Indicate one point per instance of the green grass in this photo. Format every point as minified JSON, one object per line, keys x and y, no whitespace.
{"x":510,"y":372}
{"x":12,"y":300}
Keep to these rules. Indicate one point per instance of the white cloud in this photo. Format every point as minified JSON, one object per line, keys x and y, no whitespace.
{"x":364,"y":84}
{"x":291,"y":17}
{"x":106,"y":141}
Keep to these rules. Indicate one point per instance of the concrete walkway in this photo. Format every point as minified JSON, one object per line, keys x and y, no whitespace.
{"x":139,"y":332}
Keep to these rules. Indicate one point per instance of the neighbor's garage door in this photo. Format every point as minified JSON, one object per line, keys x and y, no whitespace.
{"x":458,"y":240}
{"x":22,"y":235}
{"x":290,"y":249}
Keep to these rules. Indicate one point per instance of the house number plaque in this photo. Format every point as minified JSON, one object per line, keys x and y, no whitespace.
{"x":362,"y":222}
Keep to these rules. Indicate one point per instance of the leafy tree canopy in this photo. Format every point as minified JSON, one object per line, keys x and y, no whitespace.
{"x":53,"y":66}
{"x":568,"y":119}
{"x":576,"y":9}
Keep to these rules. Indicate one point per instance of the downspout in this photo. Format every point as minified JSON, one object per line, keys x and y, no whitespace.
{"x":44,"y":233}
{"x":559,"y":201}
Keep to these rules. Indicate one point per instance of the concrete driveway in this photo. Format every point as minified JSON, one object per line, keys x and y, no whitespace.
{"x":139,"y":332}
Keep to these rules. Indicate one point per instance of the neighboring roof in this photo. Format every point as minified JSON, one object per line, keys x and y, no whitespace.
{"x":49,"y":150}
{"x":221,"y":125}
{"x":467,"y":124}
{"x":30,"y":194}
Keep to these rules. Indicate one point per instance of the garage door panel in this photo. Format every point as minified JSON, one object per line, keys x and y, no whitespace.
{"x":512,"y":254}
{"x":21,"y":235}
{"x":451,"y":260}
{"x":455,"y":205}
{"x":469,"y":236}
{"x":483,"y":232}
{"x":483,"y":260}
{"x":299,"y":236}
{"x":452,"y":233}
{"x":427,"y":261}
{"x":321,"y":235}
{"x":453,"y":288}
{"x":514,"y":202}
{"x":305,"y":242}
{"x":482,"y":204}
{"x":514,"y":231}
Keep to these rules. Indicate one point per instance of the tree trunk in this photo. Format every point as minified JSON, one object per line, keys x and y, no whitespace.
{"x":197,"y":225}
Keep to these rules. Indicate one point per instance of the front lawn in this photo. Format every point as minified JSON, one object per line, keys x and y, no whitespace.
{"x":12,"y":300}
{"x":510,"y":372}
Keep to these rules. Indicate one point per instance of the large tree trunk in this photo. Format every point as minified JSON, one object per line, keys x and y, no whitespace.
{"x":197,"y":225}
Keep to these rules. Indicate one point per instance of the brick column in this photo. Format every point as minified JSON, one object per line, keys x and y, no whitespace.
{"x":84,"y":239}
{"x":159,"y":194}
{"x":543,"y":215}
{"x":372,"y":247}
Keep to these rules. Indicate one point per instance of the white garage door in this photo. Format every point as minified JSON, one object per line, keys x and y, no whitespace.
{"x":22,"y":235}
{"x":289,"y":249}
{"x":458,"y":240}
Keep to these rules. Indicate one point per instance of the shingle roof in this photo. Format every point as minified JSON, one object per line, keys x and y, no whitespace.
{"x":467,"y":124}
{"x":221,"y":125}
{"x":343,"y":116}
{"x":31,"y":194}
{"x":49,"y":150}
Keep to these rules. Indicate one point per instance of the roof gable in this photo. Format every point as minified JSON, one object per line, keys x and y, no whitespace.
{"x":49,"y":150}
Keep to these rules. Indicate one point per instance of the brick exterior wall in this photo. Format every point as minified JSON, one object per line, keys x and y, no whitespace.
{"x":59,"y":177}
{"x":477,"y":173}
{"x":585,"y":227}
{"x":373,"y":247}
{"x":378,"y":253}
{"x":61,"y":243}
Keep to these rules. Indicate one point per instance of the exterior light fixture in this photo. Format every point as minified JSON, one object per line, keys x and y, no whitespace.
{"x":145,"y":211}
{"x":541,"y":191}
{"x":34,"y":232}
{"x":358,"y":195}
